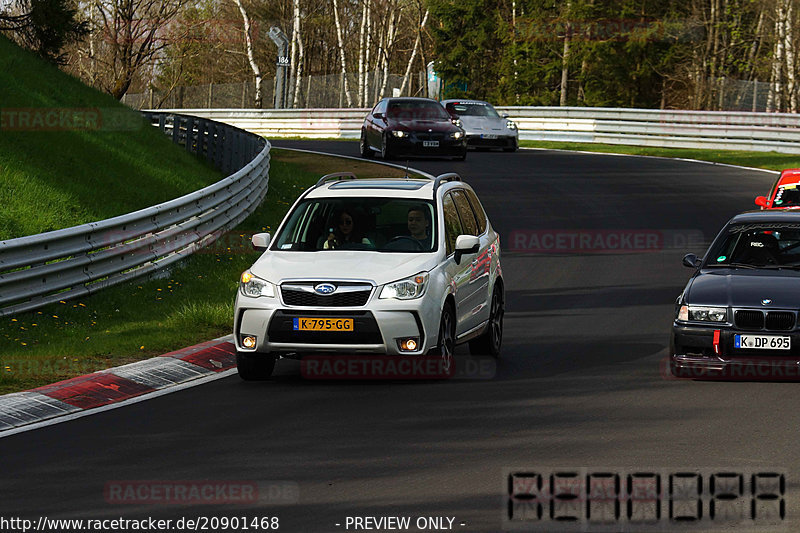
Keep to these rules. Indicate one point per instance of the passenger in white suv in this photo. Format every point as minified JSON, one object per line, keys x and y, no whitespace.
{"x":421,"y":275}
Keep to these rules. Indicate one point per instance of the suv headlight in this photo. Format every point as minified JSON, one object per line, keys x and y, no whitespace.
{"x":254,"y":287}
{"x":456,"y":121}
{"x":510,"y":124}
{"x":399,"y":133}
{"x":703,"y":314}
{"x":406,"y":289}
{"x":456,"y":135}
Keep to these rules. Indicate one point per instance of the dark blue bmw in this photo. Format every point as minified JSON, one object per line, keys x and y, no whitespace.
{"x":737,"y":316}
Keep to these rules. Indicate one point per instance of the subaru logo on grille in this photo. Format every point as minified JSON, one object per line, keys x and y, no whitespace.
{"x":325,"y":289}
{"x":766,"y":301}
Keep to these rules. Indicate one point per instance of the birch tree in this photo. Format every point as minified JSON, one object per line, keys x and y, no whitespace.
{"x":391,"y":33}
{"x":342,"y":58}
{"x":250,"y":56}
{"x":362,"y":53}
{"x":414,"y":52}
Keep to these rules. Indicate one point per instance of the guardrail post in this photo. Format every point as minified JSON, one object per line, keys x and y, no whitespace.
{"x":190,"y":135}
{"x":176,"y":129}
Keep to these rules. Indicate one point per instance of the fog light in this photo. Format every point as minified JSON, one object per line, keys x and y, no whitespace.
{"x":249,"y":342}
{"x":408,"y":345}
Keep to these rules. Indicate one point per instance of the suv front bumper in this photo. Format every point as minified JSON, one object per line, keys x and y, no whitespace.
{"x":377,"y":327}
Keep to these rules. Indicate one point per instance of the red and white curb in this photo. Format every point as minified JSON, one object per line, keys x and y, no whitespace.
{"x":99,"y":391}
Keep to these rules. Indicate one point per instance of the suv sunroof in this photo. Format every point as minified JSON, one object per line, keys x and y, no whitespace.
{"x":406,"y":185}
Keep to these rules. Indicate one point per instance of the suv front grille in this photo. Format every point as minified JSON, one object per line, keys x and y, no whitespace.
{"x":751,"y":319}
{"x":347,"y":294}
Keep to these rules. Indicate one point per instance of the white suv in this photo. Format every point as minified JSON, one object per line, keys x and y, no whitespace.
{"x":392,"y":266}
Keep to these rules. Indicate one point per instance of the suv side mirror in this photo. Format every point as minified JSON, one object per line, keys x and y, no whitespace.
{"x":505,"y":115}
{"x":261,"y":241}
{"x":762,"y":202}
{"x":466,"y":244}
{"x":691,"y":261}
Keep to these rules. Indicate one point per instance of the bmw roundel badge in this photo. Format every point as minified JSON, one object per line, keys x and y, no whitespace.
{"x":325,"y":289}
{"x":766,"y":301}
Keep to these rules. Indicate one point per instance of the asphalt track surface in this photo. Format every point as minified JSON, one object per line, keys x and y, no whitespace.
{"x":580,"y":384}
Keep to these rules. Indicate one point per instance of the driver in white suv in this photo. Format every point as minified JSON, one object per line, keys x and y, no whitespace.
{"x":421,"y":274}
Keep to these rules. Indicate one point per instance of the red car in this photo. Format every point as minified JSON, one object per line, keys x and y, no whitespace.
{"x":785,"y":194}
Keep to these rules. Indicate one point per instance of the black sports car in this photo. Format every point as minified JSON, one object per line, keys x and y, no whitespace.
{"x":737,"y":316}
{"x":411,"y":126}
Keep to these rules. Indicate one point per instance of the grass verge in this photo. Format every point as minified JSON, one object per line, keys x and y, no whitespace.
{"x":766,"y":160}
{"x":70,"y":154}
{"x":191,"y":303}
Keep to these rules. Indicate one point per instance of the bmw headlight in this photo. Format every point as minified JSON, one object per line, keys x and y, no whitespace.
{"x":399,"y":133}
{"x":703,"y":314}
{"x":406,"y":289}
{"x":456,"y":121}
{"x":254,"y":287}
{"x":457,"y":135}
{"x":510,"y":124}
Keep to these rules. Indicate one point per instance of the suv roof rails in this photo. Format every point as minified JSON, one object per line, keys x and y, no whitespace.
{"x":338,"y":176}
{"x":444,"y":178}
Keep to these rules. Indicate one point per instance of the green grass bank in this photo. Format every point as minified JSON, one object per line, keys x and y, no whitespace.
{"x":70,"y":154}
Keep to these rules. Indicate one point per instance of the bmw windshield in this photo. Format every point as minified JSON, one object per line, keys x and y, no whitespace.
{"x":765,"y":245}
{"x":370,"y":224}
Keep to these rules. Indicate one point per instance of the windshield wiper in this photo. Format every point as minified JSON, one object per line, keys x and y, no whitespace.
{"x":734,"y":265}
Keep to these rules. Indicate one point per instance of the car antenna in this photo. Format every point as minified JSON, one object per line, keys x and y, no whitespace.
{"x":406,"y":176}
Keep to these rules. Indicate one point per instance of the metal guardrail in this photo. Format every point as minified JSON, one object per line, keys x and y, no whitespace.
{"x":69,"y":263}
{"x":720,"y":130}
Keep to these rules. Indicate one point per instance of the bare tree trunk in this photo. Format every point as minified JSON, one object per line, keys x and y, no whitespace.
{"x":390,"y":36}
{"x":414,"y":53}
{"x":565,"y":67}
{"x":791,"y":77}
{"x":342,"y":59}
{"x":300,"y":56}
{"x":367,"y":55}
{"x":362,"y":52}
{"x":713,"y":82}
{"x":378,"y":59}
{"x":565,"y":55}
{"x":250,"y":58}
{"x":293,"y":81}
{"x":775,"y":99}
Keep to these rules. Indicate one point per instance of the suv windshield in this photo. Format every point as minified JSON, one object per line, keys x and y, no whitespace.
{"x":470,"y":109}
{"x":373,"y":224}
{"x":758,"y":245}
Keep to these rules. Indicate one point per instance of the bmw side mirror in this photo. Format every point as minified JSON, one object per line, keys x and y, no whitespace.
{"x":260,"y":241}
{"x":378,"y":115}
{"x":691,"y":261}
{"x":761,"y":201}
{"x":505,"y":115}
{"x":466,"y":244}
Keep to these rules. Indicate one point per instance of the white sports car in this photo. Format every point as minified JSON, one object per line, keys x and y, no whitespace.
{"x":485,"y":127}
